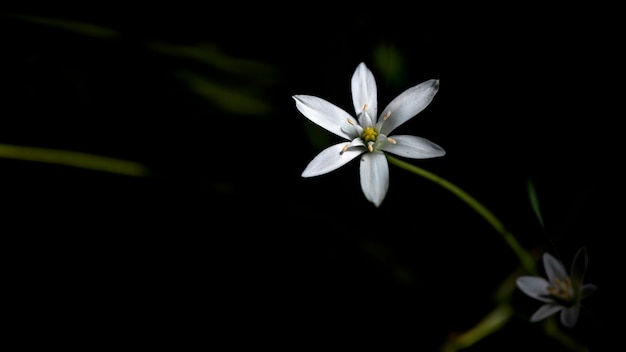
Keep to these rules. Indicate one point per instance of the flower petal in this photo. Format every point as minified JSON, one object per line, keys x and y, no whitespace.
{"x":579,"y":266}
{"x":364,"y":90}
{"x":330,"y":159}
{"x":587,"y":289}
{"x":545,"y":311}
{"x":325,"y":114}
{"x":414,"y":147}
{"x":352,"y":130}
{"x":366,"y":119}
{"x":554,"y":268}
{"x":535,"y":287}
{"x":374,"y":176}
{"x":569,"y":316}
{"x":408,"y":104}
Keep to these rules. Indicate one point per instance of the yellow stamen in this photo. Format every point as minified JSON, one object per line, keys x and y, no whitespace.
{"x":391,"y":140}
{"x":345,"y":147}
{"x":370,"y":147}
{"x":365,"y":107}
{"x":386,"y":115}
{"x":561,"y":289}
{"x":351,"y":122}
{"x":369,"y":134}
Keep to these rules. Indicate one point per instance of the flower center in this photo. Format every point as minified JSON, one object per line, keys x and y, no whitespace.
{"x":562,"y":291}
{"x":369,"y":134}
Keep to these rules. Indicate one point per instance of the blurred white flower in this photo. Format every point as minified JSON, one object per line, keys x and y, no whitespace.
{"x":560,"y":292}
{"x":368,"y":135}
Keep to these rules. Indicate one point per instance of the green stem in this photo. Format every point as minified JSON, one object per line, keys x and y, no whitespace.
{"x":525,"y":258}
{"x":491,"y":323}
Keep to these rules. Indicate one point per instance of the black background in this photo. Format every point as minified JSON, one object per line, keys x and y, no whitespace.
{"x":225,"y":243}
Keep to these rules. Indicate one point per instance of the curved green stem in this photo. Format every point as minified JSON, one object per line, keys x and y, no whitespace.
{"x":491,"y":323}
{"x":525,"y":258}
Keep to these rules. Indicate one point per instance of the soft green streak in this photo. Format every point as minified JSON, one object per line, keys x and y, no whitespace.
{"x":551,"y":328}
{"x":526,"y":259}
{"x":491,"y":323}
{"x":232,"y":100}
{"x":534,"y":200}
{"x":390,"y":62}
{"x":70,"y":25}
{"x":210,"y":55}
{"x":74,"y":159}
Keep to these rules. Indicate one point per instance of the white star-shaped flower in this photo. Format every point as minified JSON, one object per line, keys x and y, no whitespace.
{"x":368,"y":135}
{"x":560,"y":292}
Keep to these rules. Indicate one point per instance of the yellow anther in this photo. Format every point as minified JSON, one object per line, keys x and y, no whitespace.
{"x":351,"y":122}
{"x":370,"y":147}
{"x":386,"y":115}
{"x":561,"y":289}
{"x":365,"y":107}
{"x":369,"y":134}
{"x":391,"y":140}
{"x":345,"y":147}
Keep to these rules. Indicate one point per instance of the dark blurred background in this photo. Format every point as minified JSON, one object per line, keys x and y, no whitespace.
{"x":224,"y":242}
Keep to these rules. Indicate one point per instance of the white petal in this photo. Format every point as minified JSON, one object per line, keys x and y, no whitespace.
{"x":554,"y":268}
{"x":579,"y":266}
{"x":354,"y":131}
{"x":535,"y":287}
{"x":330,"y":159}
{"x":364,"y":90}
{"x":325,"y":114}
{"x":414,"y":147}
{"x":374,"y":176}
{"x":366,"y":119}
{"x":587,"y":289}
{"x":569,"y":316}
{"x":408,"y":104}
{"x":545,"y":311}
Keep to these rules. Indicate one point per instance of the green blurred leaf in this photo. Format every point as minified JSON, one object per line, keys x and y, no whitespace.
{"x":212,"y":56}
{"x":74,"y":159}
{"x":534,"y":201}
{"x":84,"y":28}
{"x":390,"y":63}
{"x":231,"y":100}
